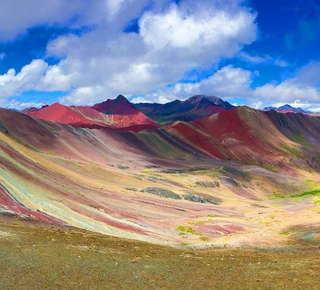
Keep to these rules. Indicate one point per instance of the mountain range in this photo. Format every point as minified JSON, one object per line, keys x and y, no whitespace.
{"x":287,"y":108}
{"x":199,"y":171}
{"x":120,"y":113}
{"x":193,"y":108}
{"x":117,"y":113}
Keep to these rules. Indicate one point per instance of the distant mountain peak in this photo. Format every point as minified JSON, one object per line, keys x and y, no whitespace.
{"x":198,"y":98}
{"x":54,"y":105}
{"x":119,"y":105}
{"x":29,"y":110}
{"x":287,"y":108}
{"x":121,"y":98}
{"x":195,"y":107}
{"x":203,"y":101}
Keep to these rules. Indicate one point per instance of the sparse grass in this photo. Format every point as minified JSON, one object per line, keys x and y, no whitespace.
{"x":285,"y":233}
{"x":312,"y":184}
{"x":131,"y":188}
{"x":276,"y":195}
{"x":199,"y":222}
{"x":186,"y":230}
{"x":50,"y":257}
{"x":270,"y":167}
{"x":293,"y":151}
{"x":267,"y":166}
{"x":317,"y":201}
{"x":315,"y":192}
{"x":298,"y":138}
{"x":214,"y":215}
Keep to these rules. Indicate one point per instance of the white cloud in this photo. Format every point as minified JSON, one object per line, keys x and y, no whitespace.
{"x":37,"y":76}
{"x":172,"y":41}
{"x":176,"y":28}
{"x":257,"y":104}
{"x":309,"y":74}
{"x":301,"y":88}
{"x":27,"y":79}
{"x":105,"y":61}
{"x":236,"y":83}
{"x":19,"y":15}
{"x":253,"y":58}
{"x":280,"y":62}
{"x":267,"y":59}
{"x":18,"y":105}
{"x":287,"y":91}
{"x":227,"y":83}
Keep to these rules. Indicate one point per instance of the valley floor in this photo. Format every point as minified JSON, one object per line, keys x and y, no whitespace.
{"x":37,"y":255}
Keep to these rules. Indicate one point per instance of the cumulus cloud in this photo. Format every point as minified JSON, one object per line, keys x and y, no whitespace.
{"x":231,"y":82}
{"x":228,"y":82}
{"x":288,"y":91}
{"x":37,"y":76}
{"x":173,"y":40}
{"x":177,"y":28}
{"x":17,"y":16}
{"x":27,"y":79}
{"x":301,"y":88}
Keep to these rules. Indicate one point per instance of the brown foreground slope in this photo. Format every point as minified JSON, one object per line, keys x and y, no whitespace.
{"x":40,"y":256}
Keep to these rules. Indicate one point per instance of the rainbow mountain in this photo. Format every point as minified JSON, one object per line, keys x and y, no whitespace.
{"x":206,"y":174}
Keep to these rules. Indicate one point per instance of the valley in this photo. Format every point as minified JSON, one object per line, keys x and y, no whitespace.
{"x":238,"y":178}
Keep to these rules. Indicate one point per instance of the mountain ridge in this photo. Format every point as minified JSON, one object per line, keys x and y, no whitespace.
{"x":117,"y":113}
{"x":193,"y":108}
{"x":287,"y":108}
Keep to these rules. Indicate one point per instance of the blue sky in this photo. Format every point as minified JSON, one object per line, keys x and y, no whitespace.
{"x":254,"y":52}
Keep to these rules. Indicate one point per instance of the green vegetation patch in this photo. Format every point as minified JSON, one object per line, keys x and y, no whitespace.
{"x":315,"y":192}
{"x":293,"y":151}
{"x":298,"y":138}
{"x":285,"y":233}
{"x":186,"y":230}
{"x":269,"y":167}
{"x":199,"y":222}
{"x":306,"y":193}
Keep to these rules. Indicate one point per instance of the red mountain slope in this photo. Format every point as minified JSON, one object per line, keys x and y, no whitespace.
{"x":117,"y":114}
{"x":238,"y":134}
{"x":61,"y":114}
{"x":123,"y":113}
